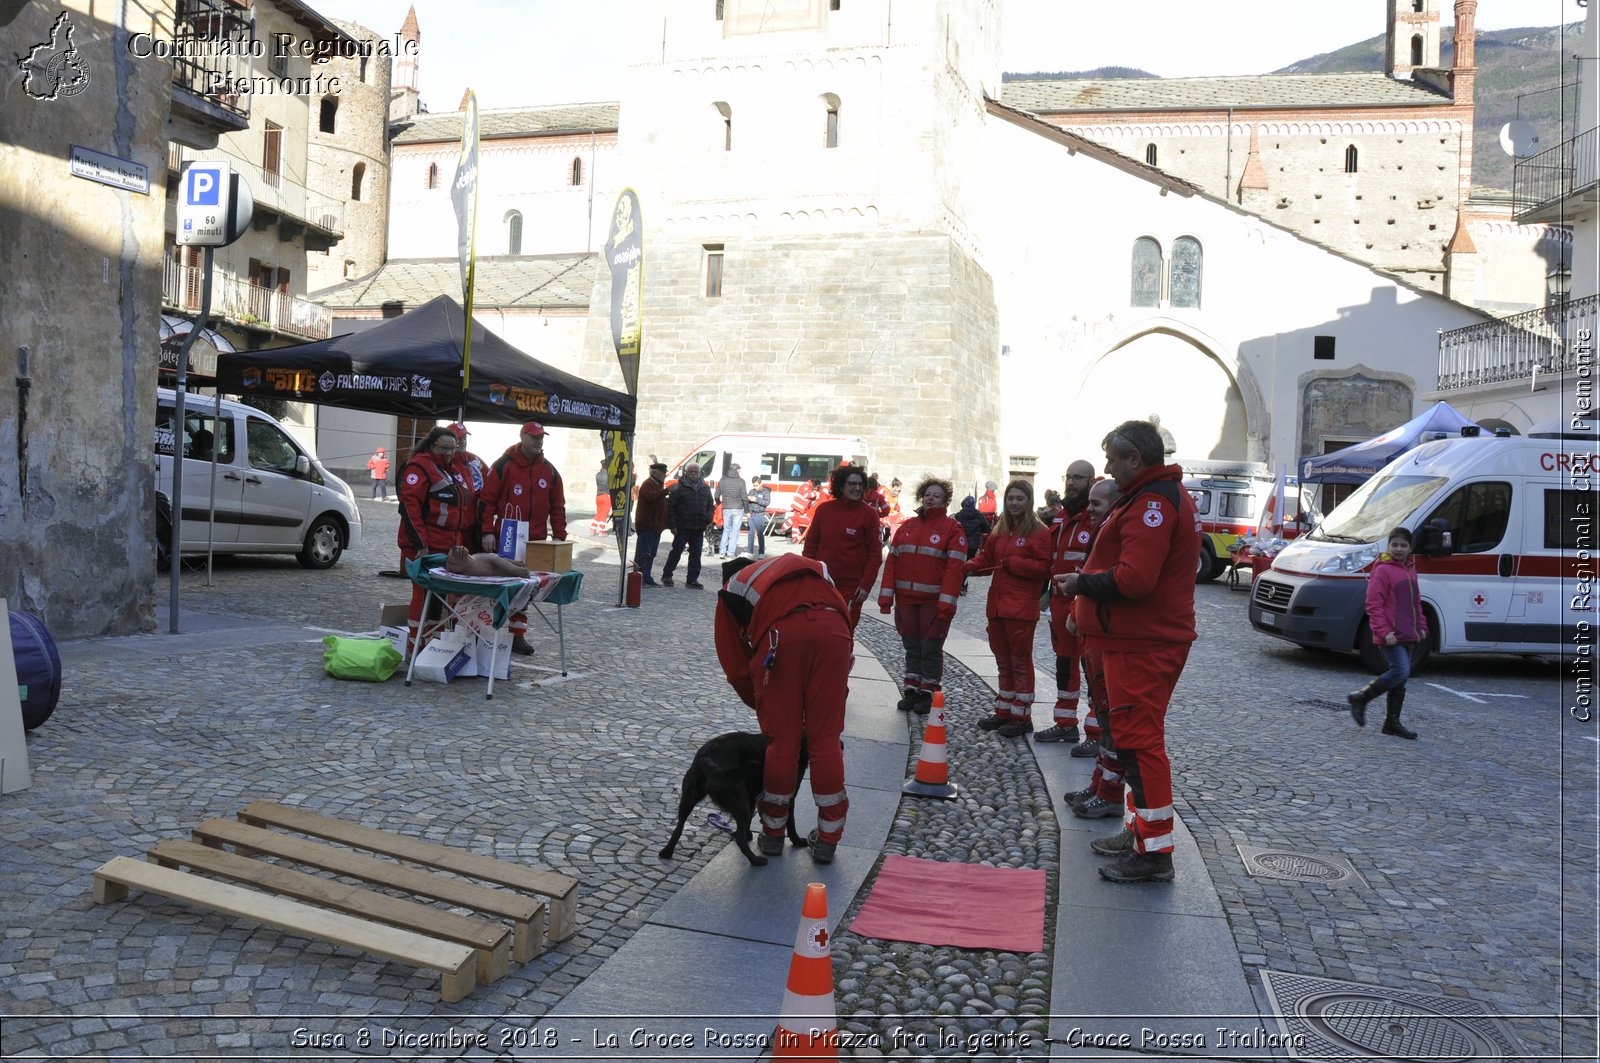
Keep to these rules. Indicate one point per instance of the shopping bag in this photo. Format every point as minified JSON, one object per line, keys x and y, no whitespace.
{"x":513,"y":539}
{"x":369,"y":660}
{"x":445,"y":657}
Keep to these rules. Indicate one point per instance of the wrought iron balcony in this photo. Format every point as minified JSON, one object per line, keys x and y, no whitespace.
{"x":1518,"y":347}
{"x":245,"y":305}
{"x":1561,"y":180}
{"x":212,"y":40}
{"x":321,"y":216}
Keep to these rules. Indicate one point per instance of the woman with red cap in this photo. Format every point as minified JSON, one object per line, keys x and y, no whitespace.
{"x":523,"y":485}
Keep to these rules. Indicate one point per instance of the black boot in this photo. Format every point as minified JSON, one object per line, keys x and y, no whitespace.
{"x":1391,"y":722}
{"x":1358,"y":701}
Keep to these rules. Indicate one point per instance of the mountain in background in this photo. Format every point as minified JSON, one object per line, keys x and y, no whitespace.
{"x":1520,"y":75}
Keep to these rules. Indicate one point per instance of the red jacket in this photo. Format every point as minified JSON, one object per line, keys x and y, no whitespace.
{"x":1394,"y":602}
{"x":1137,"y":588}
{"x":925,"y":560}
{"x":435,"y":506}
{"x":847,"y":537}
{"x":517,"y":490}
{"x":770,"y":590}
{"x":650,"y":515}
{"x":1070,"y":536}
{"x":1020,"y":564}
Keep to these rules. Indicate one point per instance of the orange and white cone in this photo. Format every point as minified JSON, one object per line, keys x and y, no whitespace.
{"x":808,"y":1027}
{"x":932,"y":778}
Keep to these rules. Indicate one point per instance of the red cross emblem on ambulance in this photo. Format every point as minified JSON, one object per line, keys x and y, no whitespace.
{"x":1478,"y":599}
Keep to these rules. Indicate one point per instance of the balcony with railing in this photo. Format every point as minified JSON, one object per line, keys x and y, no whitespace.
{"x":1521,"y":347}
{"x":1558,"y":182}
{"x":299,"y":210}
{"x":244,"y":305}
{"x":211,"y":44}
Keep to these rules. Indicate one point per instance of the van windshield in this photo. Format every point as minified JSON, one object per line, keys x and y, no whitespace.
{"x":1376,"y":506}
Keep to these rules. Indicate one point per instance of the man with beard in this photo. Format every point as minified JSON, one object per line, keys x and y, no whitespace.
{"x":1071,"y":534}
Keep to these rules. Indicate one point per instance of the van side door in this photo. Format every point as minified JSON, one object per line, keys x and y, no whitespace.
{"x":1548,"y":599}
{"x":277,"y":496}
{"x":202,"y":435}
{"x":1472,"y":588}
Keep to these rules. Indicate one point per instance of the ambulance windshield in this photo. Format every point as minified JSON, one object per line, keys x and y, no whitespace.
{"x":1376,"y":506}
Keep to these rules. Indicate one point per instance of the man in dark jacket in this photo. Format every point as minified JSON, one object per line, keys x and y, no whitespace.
{"x":650,"y":520}
{"x":689,"y":508}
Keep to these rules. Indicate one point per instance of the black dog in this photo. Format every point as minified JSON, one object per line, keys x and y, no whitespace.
{"x":728,"y":770}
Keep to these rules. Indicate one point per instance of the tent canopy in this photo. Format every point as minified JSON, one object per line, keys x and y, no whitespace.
{"x":1356,"y":464}
{"x":411,"y":366}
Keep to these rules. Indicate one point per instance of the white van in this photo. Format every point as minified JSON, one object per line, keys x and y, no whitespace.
{"x":271,"y":495}
{"x":783,"y":462}
{"x":1500,"y":525}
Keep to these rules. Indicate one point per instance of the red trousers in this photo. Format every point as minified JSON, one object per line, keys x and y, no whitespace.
{"x":1107,"y":779}
{"x":419,"y":594}
{"x":1011,"y":641}
{"x":1068,"y":649}
{"x":1139,"y":687}
{"x":800,"y":699}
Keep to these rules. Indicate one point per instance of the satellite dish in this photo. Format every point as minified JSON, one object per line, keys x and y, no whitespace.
{"x":1519,"y":139}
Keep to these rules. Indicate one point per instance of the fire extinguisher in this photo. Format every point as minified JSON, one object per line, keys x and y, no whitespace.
{"x":635,"y":588}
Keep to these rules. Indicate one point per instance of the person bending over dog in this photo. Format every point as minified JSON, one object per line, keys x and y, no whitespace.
{"x":783,"y":639}
{"x":462,"y":563}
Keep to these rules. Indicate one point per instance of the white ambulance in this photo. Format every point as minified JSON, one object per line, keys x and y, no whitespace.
{"x":783,"y":462}
{"x":1504,"y":543}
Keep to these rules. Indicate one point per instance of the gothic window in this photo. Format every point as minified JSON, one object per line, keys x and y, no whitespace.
{"x":358,"y":176}
{"x":1186,"y":272}
{"x":1416,"y":50}
{"x":577,"y":172}
{"x":1146,"y":273}
{"x":433,"y":175}
{"x":1150,"y":154}
{"x":1350,"y":159}
{"x":513,"y":232}
{"x":330,"y":114}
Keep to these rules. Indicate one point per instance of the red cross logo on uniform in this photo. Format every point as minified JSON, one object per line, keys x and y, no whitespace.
{"x":1478,"y":599}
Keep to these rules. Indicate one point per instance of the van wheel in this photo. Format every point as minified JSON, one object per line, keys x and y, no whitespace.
{"x":324,"y":544}
{"x":1206,"y":568}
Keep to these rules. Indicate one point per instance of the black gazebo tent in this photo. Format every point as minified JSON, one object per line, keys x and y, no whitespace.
{"x":411,"y":366}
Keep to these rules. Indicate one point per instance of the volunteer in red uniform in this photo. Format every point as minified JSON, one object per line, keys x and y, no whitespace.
{"x":1104,"y":795}
{"x":1136,"y":605}
{"x":1070,"y":534}
{"x":922,"y":581}
{"x":435,"y":503}
{"x":785,"y":644}
{"x":847,"y":536}
{"x":1017,"y":554}
{"x":800,"y":507}
{"x":523,"y":485}
{"x":989,"y":504}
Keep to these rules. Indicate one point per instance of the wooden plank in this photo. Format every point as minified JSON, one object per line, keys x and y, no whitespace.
{"x":454,"y":961}
{"x":525,"y":913}
{"x":561,"y":890}
{"x":492,"y":941}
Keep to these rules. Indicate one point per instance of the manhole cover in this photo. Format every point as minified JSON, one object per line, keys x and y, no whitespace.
{"x":1299,"y":867}
{"x":1325,"y":1019}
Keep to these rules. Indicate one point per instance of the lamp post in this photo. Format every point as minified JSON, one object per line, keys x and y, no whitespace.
{"x":1558,"y":283}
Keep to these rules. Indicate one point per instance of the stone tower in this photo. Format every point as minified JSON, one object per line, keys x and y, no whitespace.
{"x":348,"y":162}
{"x":808,"y":174}
{"x":405,"y":96}
{"x":1413,"y":39}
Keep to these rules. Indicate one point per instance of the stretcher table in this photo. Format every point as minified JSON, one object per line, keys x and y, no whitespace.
{"x":508,"y":594}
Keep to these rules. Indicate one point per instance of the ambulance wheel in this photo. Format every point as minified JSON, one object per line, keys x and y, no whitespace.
{"x":1206,"y":568}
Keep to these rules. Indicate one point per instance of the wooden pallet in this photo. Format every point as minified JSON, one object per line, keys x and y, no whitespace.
{"x":560,"y":891}
{"x":456,"y":963}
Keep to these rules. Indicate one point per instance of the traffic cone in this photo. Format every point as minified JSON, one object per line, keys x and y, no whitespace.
{"x":932,"y":778}
{"x":807,"y":1027}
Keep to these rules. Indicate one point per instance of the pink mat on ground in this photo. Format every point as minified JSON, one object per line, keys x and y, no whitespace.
{"x":966,"y":905}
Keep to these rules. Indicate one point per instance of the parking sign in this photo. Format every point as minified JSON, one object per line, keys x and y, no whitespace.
{"x":205,"y":204}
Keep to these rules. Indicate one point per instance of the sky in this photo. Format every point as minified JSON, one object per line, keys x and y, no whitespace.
{"x":517,"y":53}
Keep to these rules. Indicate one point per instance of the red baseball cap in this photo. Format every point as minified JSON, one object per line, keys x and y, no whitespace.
{"x":460,"y":430}
{"x":533,"y":428}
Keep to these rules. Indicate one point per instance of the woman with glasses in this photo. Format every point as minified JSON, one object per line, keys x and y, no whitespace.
{"x":436,"y":509}
{"x":845,"y":535}
{"x":1017,"y":555}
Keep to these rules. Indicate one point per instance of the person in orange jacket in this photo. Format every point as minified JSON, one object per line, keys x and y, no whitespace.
{"x":846,"y":536}
{"x":1017,"y":554}
{"x":785,"y":645}
{"x":922,"y":581}
{"x":523,"y":485}
{"x":989,"y":503}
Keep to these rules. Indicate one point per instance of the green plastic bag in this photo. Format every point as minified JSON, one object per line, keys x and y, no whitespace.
{"x":370,"y":660}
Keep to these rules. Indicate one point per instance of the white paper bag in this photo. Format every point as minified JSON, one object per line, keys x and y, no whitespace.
{"x":486,"y":659}
{"x":513,"y":539}
{"x":446,"y":657}
{"x":477,"y":612}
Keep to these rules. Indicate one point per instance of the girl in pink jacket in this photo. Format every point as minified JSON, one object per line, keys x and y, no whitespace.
{"x":1394,"y":611}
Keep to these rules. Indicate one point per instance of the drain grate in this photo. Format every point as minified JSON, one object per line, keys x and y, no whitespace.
{"x":1299,"y":867}
{"x":1325,"y":1019}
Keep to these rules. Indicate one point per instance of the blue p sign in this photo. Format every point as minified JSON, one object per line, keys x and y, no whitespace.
{"x":204,"y":187}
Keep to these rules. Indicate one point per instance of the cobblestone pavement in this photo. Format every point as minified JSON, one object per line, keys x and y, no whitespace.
{"x":1476,"y":844}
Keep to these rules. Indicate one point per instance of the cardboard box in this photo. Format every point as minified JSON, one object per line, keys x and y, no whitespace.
{"x":396,"y":635}
{"x":546,"y":556}
{"x":394,"y":615}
